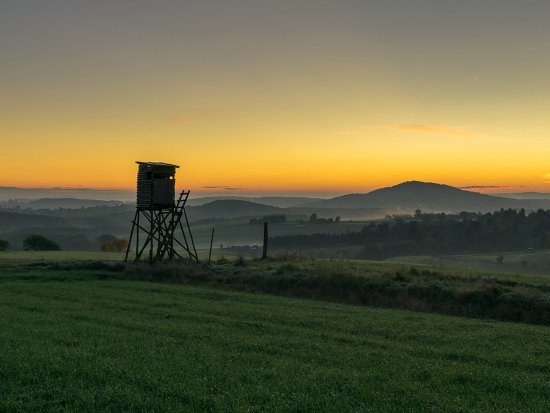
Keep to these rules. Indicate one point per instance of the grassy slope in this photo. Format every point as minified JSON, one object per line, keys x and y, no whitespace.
{"x":533,"y":262}
{"x":72,"y":341}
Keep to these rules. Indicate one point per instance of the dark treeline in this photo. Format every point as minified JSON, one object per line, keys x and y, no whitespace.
{"x":272,"y":219}
{"x":426,"y":234}
{"x":69,"y":212}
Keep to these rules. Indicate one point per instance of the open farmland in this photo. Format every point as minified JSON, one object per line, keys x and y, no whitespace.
{"x":84,"y":340}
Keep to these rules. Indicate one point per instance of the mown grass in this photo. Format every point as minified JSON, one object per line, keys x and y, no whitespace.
{"x":78,"y":340}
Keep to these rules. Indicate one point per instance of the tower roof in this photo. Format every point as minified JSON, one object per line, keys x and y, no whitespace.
{"x":157,"y":164}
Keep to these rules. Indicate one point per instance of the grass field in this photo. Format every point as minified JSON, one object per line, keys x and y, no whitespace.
{"x":514,"y":262}
{"x":82,"y":341}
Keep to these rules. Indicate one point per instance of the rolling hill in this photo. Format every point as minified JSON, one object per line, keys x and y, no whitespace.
{"x":230,"y":208}
{"x":429,"y":197}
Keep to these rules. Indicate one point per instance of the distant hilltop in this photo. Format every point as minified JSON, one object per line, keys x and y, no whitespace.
{"x":28,"y":194}
{"x":402,"y":198}
{"x":55,"y":203}
{"x":429,"y":197}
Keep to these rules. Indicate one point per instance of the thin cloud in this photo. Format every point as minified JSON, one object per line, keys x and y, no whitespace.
{"x":175,"y":119}
{"x":224,"y":187}
{"x":459,"y":131}
{"x":58,"y":188}
{"x":491,"y":186}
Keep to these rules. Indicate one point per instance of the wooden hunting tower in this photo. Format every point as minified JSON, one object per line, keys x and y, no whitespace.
{"x":161,"y":214}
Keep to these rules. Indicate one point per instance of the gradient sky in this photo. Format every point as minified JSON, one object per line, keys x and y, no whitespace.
{"x":276,"y":96}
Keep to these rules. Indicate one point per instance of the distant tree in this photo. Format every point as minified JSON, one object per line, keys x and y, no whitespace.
{"x":40,"y":243}
{"x":4,"y":245}
{"x":120,"y":245}
{"x":313,"y":218}
{"x":107,"y":246}
{"x":500,"y":259}
{"x":337,"y":219}
{"x":105,"y":237}
{"x":418,"y":213}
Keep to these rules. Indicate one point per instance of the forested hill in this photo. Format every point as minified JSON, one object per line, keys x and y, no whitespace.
{"x":230,"y":208}
{"x":12,"y":221}
{"x":430,"y":197}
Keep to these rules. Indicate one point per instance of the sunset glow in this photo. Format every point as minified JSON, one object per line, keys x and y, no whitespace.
{"x":272,"y":97}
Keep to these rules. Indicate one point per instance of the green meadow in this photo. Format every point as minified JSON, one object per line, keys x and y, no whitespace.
{"x":75,"y":338}
{"x":524,"y":262}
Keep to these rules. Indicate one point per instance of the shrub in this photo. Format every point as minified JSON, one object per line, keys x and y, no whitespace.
{"x":120,"y":245}
{"x":240,"y":261}
{"x":40,"y":243}
{"x":286,"y":255}
{"x":500,"y":259}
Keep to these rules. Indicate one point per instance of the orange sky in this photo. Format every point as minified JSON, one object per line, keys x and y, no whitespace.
{"x":327,"y":97}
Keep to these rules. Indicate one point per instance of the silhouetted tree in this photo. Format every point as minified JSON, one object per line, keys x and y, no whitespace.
{"x":4,"y":245}
{"x":40,"y":243}
{"x":313,"y":218}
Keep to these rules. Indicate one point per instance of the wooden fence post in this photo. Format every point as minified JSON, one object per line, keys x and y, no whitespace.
{"x":264,"y":255}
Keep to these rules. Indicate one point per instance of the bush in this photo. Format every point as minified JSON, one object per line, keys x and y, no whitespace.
{"x":500,"y":259}
{"x":240,"y":261}
{"x":120,"y":245}
{"x":286,"y":255}
{"x":40,"y":243}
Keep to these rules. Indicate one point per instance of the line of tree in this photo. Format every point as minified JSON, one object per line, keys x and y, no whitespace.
{"x":504,"y":230}
{"x":314,"y":219}
{"x":272,"y":219}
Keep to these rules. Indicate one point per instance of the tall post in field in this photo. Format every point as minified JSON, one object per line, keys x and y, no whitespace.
{"x":264,"y":254}
{"x":211,"y":241}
